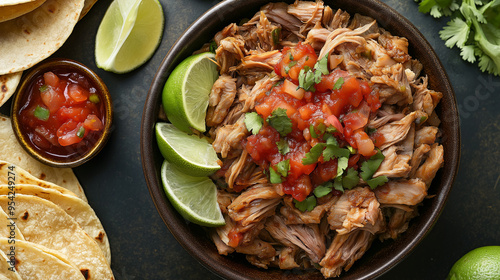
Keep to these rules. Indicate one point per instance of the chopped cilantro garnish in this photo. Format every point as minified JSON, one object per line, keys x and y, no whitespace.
{"x":43,"y":88}
{"x":274,"y":177}
{"x":337,"y":184}
{"x":312,"y":132}
{"x":313,"y":154}
{"x":370,"y":130}
{"x":333,"y":150}
{"x":307,"y":204}
{"x":342,"y":165}
{"x":377,"y":181}
{"x":280,"y":121}
{"x":253,"y":122}
{"x":283,"y":167}
{"x":275,"y":34}
{"x":369,"y":167}
{"x":351,"y":179}
{"x":81,"y":132}
{"x":338,"y":84}
{"x":213,"y":46}
{"x":322,"y":65}
{"x":331,"y":129}
{"x":283,"y":147}
{"x":323,"y":189}
{"x":41,"y":113}
{"x":290,"y":56}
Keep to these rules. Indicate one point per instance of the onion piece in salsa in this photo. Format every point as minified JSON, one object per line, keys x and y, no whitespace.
{"x":63,"y":113}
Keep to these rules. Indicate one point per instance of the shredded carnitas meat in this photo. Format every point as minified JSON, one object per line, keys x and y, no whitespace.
{"x":261,"y":221}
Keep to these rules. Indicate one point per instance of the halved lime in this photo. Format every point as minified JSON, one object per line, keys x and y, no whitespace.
{"x":128,"y":35}
{"x":186,"y":92}
{"x":190,"y":154}
{"x":195,"y":198}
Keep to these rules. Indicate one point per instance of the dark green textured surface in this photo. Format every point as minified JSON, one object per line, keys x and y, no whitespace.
{"x":143,"y":248}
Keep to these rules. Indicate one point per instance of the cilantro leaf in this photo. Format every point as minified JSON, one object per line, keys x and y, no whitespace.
{"x":338,"y":84}
{"x":283,"y":147}
{"x":312,"y":131}
{"x":369,"y":167}
{"x":351,"y":179}
{"x":323,"y":189}
{"x":322,"y":65}
{"x":253,"y":122}
{"x":283,"y":167}
{"x":342,"y":165}
{"x":337,"y":184}
{"x":377,"y":181}
{"x":455,"y":33}
{"x":307,"y":204}
{"x":333,"y":150}
{"x":314,"y":153}
{"x":280,"y":121}
{"x":274,"y":177}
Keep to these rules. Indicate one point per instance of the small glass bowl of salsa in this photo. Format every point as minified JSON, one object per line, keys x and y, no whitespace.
{"x":62,"y":113}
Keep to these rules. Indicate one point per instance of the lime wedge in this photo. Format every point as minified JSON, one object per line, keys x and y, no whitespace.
{"x":128,"y":35}
{"x":190,"y":154}
{"x":195,"y":198}
{"x":186,"y":92}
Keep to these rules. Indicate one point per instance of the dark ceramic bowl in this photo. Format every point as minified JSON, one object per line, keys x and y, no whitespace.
{"x":381,"y":256}
{"x":80,"y":154}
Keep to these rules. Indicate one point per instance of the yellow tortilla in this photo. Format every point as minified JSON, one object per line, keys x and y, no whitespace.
{"x":12,"y":152}
{"x":32,"y":37}
{"x":35,"y":262}
{"x":46,"y":224}
{"x":6,"y":272}
{"x":14,"y":11}
{"x":8,"y":85}
{"x":86,"y":7}
{"x":81,"y":211}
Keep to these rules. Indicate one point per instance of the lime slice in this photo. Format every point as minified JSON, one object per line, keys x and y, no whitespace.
{"x":195,"y":198}
{"x":191,"y":154}
{"x":129,"y":33}
{"x":186,"y":92}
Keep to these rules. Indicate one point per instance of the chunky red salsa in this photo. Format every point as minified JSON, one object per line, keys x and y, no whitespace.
{"x":326,"y":114}
{"x":63,"y":114}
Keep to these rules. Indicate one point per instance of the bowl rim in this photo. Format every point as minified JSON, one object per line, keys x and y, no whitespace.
{"x":26,"y":81}
{"x":173,"y":220}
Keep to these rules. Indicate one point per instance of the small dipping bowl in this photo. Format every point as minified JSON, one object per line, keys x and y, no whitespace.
{"x":75,"y":154}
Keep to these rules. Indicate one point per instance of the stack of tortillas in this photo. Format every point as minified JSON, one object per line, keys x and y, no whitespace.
{"x":30,"y":31}
{"x":49,"y":230}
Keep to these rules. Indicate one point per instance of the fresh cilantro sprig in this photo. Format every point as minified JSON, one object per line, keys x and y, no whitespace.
{"x":253,"y":122}
{"x":309,"y":77}
{"x":474,"y":28}
{"x":369,"y":167}
{"x":307,"y":204}
{"x":282,"y":168}
{"x":280,"y":121}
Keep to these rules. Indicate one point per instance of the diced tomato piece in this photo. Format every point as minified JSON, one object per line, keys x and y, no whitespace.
{"x":67,"y":133}
{"x":336,"y":123}
{"x":353,"y":161}
{"x":78,"y":114}
{"x":356,"y":119}
{"x":235,"y":237}
{"x":307,"y":110}
{"x":51,"y":79}
{"x":93,"y":123}
{"x":328,"y":81}
{"x":325,"y":172}
{"x":53,"y":98}
{"x":364,"y":143}
{"x":46,"y":134}
{"x":77,"y":93}
{"x":299,"y":188}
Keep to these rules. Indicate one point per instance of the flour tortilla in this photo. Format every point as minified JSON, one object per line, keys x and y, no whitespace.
{"x":86,"y":7}
{"x":11,"y":151}
{"x":8,"y":85}
{"x":14,"y":2}
{"x":5,"y":273}
{"x":7,"y":230}
{"x":39,"y":263}
{"x":21,"y":176}
{"x":44,"y":223}
{"x":30,"y":38}
{"x":81,"y":211}
{"x":14,"y":11}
